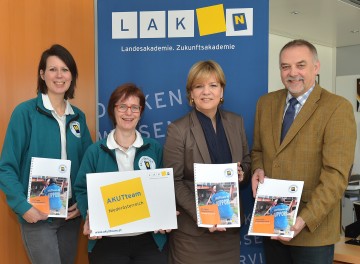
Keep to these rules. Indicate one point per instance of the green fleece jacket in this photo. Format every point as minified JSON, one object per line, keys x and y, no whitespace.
{"x":34,"y":132}
{"x":99,"y":158}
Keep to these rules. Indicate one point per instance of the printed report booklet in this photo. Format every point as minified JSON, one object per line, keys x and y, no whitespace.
{"x":275,"y":208}
{"x":217,"y":195}
{"x":131,"y":201}
{"x":49,"y":184}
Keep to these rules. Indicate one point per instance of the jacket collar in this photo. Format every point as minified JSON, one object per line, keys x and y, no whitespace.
{"x":47,"y":104}
{"x":198,"y":134}
{"x":40,"y":108}
{"x":306,"y":112}
{"x":40,"y":104}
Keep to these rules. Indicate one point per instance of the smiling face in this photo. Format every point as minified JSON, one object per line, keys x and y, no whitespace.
{"x":57,"y":76}
{"x":127,"y":121}
{"x":298,"y":69}
{"x":206,"y":93}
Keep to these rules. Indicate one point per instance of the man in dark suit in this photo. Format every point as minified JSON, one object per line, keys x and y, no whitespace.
{"x":317,"y":148}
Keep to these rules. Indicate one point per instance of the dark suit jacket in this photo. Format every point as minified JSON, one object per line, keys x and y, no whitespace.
{"x":185,"y":145}
{"x":318,"y":149}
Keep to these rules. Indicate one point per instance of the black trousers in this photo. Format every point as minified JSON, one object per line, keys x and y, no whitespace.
{"x":278,"y":253}
{"x":140,"y":249}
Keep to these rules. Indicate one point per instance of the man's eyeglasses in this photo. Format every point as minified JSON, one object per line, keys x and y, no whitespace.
{"x":122,"y":108}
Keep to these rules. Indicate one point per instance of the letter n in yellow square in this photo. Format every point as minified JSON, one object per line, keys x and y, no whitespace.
{"x":211,"y":19}
{"x":125,"y":202}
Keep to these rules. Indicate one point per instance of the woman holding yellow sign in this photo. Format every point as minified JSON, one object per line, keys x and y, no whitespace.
{"x":124,"y":149}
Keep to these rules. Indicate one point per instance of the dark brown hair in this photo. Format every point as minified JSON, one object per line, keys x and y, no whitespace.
{"x":64,"y":55}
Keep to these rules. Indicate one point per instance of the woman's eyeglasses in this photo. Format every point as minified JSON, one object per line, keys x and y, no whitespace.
{"x":122,"y":108}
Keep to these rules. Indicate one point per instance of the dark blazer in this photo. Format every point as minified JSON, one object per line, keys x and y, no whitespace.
{"x":185,"y":145}
{"x":318,"y":149}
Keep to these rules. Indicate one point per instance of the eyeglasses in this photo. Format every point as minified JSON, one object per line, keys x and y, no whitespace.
{"x":122,"y":108}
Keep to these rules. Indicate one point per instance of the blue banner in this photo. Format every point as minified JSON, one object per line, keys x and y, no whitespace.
{"x":154,"y":43}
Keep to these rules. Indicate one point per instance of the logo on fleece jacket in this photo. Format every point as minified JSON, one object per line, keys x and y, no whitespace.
{"x":75,"y":128}
{"x":146,"y":163}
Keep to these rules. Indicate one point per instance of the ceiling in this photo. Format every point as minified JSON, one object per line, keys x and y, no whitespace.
{"x":324,"y":22}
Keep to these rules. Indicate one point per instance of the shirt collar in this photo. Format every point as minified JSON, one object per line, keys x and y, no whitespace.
{"x":302,"y":98}
{"x":47,"y":104}
{"x":111,"y":143}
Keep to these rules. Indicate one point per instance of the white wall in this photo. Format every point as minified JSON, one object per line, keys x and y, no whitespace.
{"x":327,"y":57}
{"x":348,"y":60}
{"x":346,"y":87}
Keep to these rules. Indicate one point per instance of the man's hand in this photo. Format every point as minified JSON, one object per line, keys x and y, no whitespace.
{"x":299,"y":225}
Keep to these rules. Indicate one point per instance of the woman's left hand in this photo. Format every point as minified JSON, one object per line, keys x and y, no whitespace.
{"x":240,"y":172}
{"x":86,"y":229}
{"x":164,"y":231}
{"x":73,"y":212}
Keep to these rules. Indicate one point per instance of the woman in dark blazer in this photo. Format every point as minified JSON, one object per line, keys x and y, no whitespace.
{"x":205,"y":135}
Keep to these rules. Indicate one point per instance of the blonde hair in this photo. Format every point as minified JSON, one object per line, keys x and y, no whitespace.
{"x":202,"y":70}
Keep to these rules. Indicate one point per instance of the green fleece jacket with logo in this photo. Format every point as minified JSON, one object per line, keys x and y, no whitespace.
{"x":99,"y":158}
{"x":34,"y":132}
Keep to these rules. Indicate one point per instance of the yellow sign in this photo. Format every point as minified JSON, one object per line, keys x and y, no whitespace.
{"x":211,"y":19}
{"x":125,"y":202}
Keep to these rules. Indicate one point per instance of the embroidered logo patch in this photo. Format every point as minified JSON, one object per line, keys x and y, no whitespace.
{"x":147,"y":163}
{"x":75,"y":128}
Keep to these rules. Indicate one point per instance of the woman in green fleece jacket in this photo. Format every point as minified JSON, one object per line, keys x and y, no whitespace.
{"x":47,"y":127}
{"x":124,"y":149}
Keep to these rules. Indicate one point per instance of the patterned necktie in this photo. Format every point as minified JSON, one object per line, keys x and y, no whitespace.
{"x":288,"y":117}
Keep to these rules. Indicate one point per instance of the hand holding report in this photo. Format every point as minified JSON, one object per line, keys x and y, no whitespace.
{"x":131,"y":201}
{"x":217,"y":195}
{"x":275,"y":208}
{"x":48,"y":189}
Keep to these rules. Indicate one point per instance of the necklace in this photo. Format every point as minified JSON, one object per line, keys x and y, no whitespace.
{"x":125,"y":148}
{"x":121,"y":145}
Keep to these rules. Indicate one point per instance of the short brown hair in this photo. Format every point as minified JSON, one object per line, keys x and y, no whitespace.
{"x":123,"y":92}
{"x":299,"y":43}
{"x":203,"y":69}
